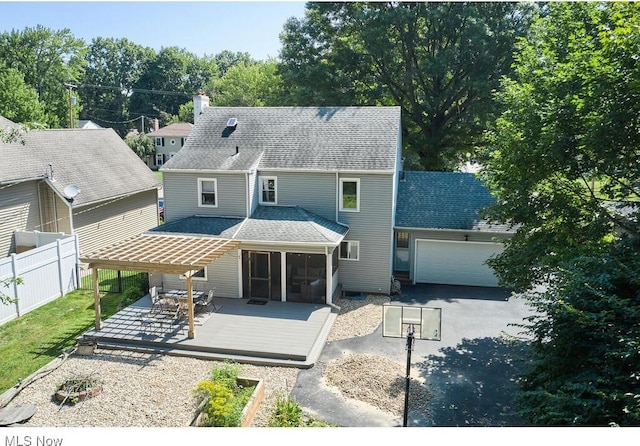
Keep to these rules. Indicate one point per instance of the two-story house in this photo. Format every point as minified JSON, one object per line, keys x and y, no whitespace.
{"x":309,"y":192}
{"x":74,"y":181}
{"x":167,"y":141}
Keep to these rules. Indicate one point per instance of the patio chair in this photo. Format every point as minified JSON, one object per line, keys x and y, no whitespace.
{"x":204,"y":302}
{"x":157,"y":304}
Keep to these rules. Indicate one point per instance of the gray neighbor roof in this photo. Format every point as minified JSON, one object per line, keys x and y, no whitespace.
{"x":98,"y":161}
{"x":294,"y":138}
{"x":443,"y":200}
{"x":281,"y":224}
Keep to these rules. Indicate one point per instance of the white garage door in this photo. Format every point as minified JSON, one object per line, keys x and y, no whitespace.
{"x":455,"y":263}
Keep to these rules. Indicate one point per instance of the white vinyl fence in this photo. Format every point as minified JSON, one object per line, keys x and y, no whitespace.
{"x":47,"y":272}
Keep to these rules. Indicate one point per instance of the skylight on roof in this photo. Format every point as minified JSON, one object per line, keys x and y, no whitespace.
{"x":232,"y":122}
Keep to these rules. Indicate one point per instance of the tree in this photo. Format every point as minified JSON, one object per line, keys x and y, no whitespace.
{"x":256,"y":85}
{"x":114,"y":66}
{"x":142,"y":145}
{"x":171,"y":79}
{"x":564,"y":156}
{"x":48,"y":59}
{"x":18,"y":101}
{"x":563,"y":163}
{"x":226,"y":59}
{"x":439,"y":61}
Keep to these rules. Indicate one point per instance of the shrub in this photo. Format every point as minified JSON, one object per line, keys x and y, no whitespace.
{"x":222,"y":399}
{"x":287,"y":413}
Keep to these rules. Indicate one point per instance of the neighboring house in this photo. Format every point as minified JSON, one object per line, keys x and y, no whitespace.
{"x":309,"y":192}
{"x":167,"y":141}
{"x":439,"y":235}
{"x":87,"y":125}
{"x":116,"y":195}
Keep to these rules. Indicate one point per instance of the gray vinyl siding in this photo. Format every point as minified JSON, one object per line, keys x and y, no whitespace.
{"x":315,"y":192}
{"x":54,"y":211}
{"x":103,"y":224}
{"x":181,"y":195}
{"x":372,"y":226}
{"x":222,"y":276}
{"x":426,"y":234}
{"x":19,"y":210}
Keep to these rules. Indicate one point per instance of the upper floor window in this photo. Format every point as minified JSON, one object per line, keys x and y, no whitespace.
{"x":350,"y":194}
{"x":159,"y":159}
{"x":182,"y":141}
{"x":207,"y":192}
{"x":268,"y":190}
{"x":159,"y":142}
{"x":350,"y":250}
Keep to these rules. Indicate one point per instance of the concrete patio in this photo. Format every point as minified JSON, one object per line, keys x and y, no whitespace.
{"x":275,"y":333}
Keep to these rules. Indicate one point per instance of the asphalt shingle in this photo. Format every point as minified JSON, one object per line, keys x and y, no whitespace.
{"x":96,"y":160}
{"x":297,"y":138}
{"x":443,"y":200}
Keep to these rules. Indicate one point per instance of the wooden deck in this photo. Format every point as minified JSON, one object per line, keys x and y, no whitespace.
{"x":276,"y":333}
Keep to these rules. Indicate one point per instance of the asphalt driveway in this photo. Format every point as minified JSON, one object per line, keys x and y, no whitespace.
{"x":470,"y":372}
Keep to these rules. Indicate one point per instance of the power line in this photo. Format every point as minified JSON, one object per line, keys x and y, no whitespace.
{"x":137,"y":90}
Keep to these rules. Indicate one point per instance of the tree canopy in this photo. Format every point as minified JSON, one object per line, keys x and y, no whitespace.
{"x":564,"y":164}
{"x":439,"y":61}
{"x":48,"y":60}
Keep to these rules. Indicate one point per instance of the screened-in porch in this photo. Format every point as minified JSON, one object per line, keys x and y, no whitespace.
{"x":289,"y":276}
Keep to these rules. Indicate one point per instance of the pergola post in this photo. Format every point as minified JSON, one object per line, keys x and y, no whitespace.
{"x":96,"y":298}
{"x":191,"y":332}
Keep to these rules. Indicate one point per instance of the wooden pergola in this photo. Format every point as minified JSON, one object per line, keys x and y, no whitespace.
{"x":158,"y":253}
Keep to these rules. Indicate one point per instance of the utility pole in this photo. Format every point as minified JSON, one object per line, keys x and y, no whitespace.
{"x":70,"y":86}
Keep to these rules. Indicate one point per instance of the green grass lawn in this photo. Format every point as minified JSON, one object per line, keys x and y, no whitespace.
{"x":35,"y":339}
{"x":158,"y":174}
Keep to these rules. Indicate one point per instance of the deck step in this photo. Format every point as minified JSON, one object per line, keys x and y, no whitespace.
{"x":243,"y":359}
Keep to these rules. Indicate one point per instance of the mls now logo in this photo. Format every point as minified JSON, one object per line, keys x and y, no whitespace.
{"x":28,"y":440}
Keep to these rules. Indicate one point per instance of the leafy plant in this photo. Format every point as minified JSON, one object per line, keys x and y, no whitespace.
{"x":222,"y":399}
{"x":288,"y":413}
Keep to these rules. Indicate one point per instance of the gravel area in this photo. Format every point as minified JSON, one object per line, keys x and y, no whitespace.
{"x":146,"y":390}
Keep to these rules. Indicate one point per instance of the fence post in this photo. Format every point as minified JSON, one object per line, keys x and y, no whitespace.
{"x":14,"y":270}
{"x":77,"y":256}
{"x":60,"y":273}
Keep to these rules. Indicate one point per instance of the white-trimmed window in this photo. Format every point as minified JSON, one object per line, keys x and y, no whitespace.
{"x":207,"y":192}
{"x":268,"y":190}
{"x":159,"y":159}
{"x":350,"y":250}
{"x":350,"y":194}
{"x":200,"y":275}
{"x":402,"y":239}
{"x":159,"y":142}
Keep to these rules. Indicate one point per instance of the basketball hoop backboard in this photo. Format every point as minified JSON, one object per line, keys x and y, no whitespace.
{"x":425,"y":321}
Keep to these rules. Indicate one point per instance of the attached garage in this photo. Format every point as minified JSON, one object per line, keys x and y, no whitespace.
{"x":454,"y":262}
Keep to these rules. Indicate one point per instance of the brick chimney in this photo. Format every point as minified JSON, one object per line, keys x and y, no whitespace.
{"x":200,"y":102}
{"x":156,"y":124}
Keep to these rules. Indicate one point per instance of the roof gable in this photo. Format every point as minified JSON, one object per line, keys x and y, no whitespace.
{"x":295,"y":138}
{"x":98,"y":161}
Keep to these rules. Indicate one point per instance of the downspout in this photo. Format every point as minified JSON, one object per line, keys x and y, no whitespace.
{"x":337,"y":196}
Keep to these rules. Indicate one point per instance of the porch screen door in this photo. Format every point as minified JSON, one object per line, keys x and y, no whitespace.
{"x":260,"y":272}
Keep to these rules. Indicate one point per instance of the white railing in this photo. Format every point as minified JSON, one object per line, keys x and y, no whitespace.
{"x":46,"y":273}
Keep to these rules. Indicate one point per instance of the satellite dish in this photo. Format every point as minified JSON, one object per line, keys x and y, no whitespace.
{"x":71,"y":191}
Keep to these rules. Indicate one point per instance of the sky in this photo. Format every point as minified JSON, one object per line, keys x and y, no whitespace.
{"x":201,"y":27}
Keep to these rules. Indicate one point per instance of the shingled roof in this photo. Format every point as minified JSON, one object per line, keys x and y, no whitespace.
{"x":285,"y":224}
{"x":443,"y":200}
{"x":96,"y":160}
{"x":296,"y":138}
{"x":174,"y":129}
